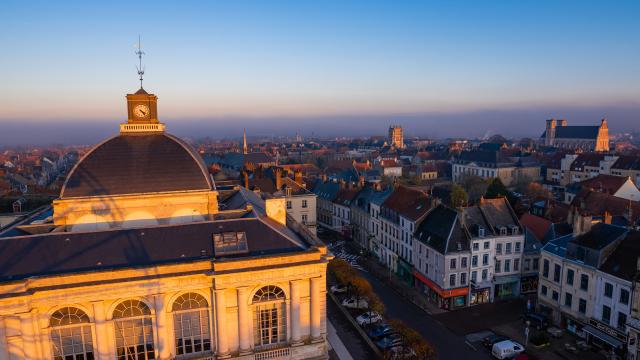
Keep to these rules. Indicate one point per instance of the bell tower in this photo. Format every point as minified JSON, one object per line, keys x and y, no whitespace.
{"x":142,"y":107}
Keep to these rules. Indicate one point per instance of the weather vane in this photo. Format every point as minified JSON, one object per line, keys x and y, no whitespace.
{"x":139,"y":52}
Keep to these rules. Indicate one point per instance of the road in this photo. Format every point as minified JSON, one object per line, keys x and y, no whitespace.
{"x":448,"y":345}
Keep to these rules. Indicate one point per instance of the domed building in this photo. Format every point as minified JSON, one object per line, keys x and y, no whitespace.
{"x":139,"y":262}
{"x":142,"y":176}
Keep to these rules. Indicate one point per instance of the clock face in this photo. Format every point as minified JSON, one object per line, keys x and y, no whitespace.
{"x":141,"y":111}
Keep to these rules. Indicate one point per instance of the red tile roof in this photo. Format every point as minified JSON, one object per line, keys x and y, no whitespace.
{"x":410,"y":203}
{"x":537,"y":225}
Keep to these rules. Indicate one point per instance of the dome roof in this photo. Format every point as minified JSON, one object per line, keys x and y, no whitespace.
{"x":140,"y":163}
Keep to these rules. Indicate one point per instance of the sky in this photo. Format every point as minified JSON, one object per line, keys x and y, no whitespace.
{"x":441,"y":68}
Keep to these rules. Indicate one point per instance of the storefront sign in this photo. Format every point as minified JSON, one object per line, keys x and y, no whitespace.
{"x":443,"y":293}
{"x":608,"y":330}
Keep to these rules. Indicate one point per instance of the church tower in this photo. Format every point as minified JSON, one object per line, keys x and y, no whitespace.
{"x":245,"y":149}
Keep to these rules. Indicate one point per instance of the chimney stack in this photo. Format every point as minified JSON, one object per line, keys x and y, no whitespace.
{"x":245,"y":177}
{"x":278,"y":174}
{"x":297,"y":175}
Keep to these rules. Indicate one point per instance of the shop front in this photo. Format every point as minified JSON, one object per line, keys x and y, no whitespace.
{"x":446,"y":299}
{"x":529,"y":290}
{"x":572,"y":325}
{"x":480,"y":296}
{"x":405,"y":271}
{"x":602,"y":336}
{"x":506,"y":287}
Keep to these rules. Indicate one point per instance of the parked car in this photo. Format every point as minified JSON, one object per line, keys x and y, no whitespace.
{"x":379,"y":331}
{"x":388,"y":342}
{"x":354,"y":303}
{"x":506,"y":349}
{"x":555,"y":332}
{"x":339,"y":289}
{"x":369,"y":317}
{"x":401,"y":352}
{"x":537,"y":321}
{"x":492,"y":339}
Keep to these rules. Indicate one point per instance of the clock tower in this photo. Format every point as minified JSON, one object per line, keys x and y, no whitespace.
{"x":142,"y":107}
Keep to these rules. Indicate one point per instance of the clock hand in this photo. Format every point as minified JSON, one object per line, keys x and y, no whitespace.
{"x":143,"y":113}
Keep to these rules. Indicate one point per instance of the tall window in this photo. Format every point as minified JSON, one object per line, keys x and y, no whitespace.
{"x":191,"y":324}
{"x":269,"y":321}
{"x":134,"y":332}
{"x":71,"y":335}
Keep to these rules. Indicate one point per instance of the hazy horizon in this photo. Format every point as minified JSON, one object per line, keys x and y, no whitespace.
{"x":455,"y":68}
{"x":516,"y":123}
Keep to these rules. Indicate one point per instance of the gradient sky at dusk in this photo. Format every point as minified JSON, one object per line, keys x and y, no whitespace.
{"x":301,"y":61}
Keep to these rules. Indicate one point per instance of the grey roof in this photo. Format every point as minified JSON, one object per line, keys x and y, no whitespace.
{"x":575,"y":132}
{"x":558,"y":246}
{"x":326,"y":190}
{"x":129,"y":164}
{"x":60,"y":253}
{"x":623,"y":261}
{"x":441,"y":230}
{"x":600,"y":236}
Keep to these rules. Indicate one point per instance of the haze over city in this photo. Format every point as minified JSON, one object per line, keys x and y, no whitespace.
{"x":330,"y":68}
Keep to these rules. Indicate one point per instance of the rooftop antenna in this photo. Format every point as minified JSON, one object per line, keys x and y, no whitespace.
{"x":139,"y":52}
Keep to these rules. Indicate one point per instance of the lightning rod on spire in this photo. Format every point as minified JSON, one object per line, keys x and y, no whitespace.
{"x":139,"y":52}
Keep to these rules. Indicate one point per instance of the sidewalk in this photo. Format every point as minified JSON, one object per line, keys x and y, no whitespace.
{"x":336,"y":344}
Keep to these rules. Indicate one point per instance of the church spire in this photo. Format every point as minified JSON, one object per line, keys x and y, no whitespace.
{"x":244,"y":142}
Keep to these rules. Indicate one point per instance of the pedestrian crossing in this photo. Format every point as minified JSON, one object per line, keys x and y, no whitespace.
{"x":337,"y":249}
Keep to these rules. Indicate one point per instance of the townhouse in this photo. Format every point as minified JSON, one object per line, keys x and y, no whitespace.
{"x":569,"y":280}
{"x":441,"y":258}
{"x":399,"y":215}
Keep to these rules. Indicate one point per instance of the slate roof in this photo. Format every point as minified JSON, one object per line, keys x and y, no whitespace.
{"x":623,"y":261}
{"x":558,"y":246}
{"x":575,"y":132}
{"x":586,"y":159}
{"x":441,"y":230}
{"x":62,"y":253}
{"x":326,"y":190}
{"x":626,"y":162}
{"x":129,"y":164}
{"x":600,"y":236}
{"x":344,"y":197}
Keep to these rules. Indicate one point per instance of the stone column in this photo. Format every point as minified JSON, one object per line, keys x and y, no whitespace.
{"x":162,"y":347}
{"x":221,"y":325}
{"x":316,"y":285}
{"x":244,"y":322}
{"x":29,"y":338}
{"x":4,"y":351}
{"x":102,"y":346}
{"x":295,"y":313}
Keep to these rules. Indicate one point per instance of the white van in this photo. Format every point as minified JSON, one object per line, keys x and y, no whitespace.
{"x":506,"y":349}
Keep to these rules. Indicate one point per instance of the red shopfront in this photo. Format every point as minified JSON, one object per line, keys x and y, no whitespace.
{"x":444,"y":298}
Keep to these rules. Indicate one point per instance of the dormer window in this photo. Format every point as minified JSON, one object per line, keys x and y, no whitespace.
{"x":503,"y":230}
{"x":481,"y":231}
{"x":514,"y":230}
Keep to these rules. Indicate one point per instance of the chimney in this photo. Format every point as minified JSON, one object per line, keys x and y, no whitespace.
{"x":297,"y":175}
{"x":278,"y":174}
{"x":562,"y":122}
{"x":245,"y":177}
{"x":361,"y":181}
{"x":342,"y":184}
{"x":607,"y":217}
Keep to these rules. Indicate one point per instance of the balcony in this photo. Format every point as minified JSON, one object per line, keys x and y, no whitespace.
{"x":274,"y":354}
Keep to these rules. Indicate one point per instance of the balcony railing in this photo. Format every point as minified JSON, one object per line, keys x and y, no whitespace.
{"x":275,"y":354}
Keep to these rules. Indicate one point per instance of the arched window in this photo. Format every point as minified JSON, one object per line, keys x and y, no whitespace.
{"x":71,"y":335}
{"x":191,"y":324}
{"x":269,"y":316}
{"x":134,"y":332}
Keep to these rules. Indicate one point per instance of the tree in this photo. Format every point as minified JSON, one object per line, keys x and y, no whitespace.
{"x":496,"y":189}
{"x":475,"y":187}
{"x":411,"y":339}
{"x":459,"y":197}
{"x":536,"y":190}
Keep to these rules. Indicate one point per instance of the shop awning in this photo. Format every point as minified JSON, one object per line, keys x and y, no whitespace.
{"x":602,"y":336}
